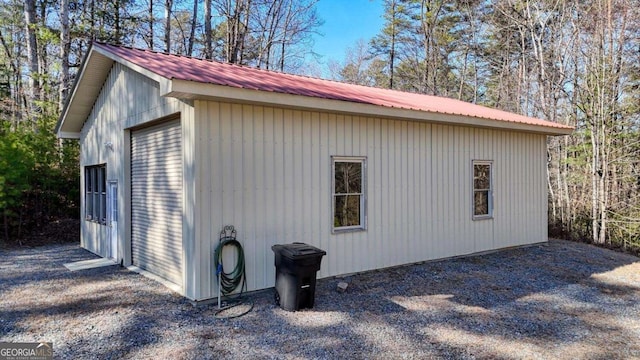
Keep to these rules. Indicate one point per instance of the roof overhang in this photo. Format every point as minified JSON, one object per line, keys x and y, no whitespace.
{"x":93,"y":73}
{"x":203,"y":91}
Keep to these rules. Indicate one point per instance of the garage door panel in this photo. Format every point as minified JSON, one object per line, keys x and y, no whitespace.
{"x":156,"y":200}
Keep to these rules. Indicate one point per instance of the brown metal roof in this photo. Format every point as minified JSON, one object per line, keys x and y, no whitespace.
{"x":205,"y":71}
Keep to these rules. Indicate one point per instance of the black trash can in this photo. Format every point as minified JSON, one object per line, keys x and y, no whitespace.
{"x":296,"y":267}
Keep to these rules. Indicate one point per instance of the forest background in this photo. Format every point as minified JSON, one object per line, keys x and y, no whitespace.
{"x":572,"y":62}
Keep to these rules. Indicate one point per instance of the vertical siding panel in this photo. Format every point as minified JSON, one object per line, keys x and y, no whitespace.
{"x":257,"y":240}
{"x":282,"y":169}
{"x":394,"y":164}
{"x":458,"y":181}
{"x":226,"y":169}
{"x":456,"y":190}
{"x":509,"y":188}
{"x":271,"y":211}
{"x":520,"y":178}
{"x":209,"y":200}
{"x":521,"y":189}
{"x":543,"y":201}
{"x":499,"y":186}
{"x":449,"y":198}
{"x":525,"y":189}
{"x":412,"y":190}
{"x":383,"y":193}
{"x":324,"y":186}
{"x":396,"y":187}
{"x":405,"y":207}
{"x":296,"y":178}
{"x":435,"y":192}
{"x":237,"y":166}
{"x":315,"y":171}
{"x":375,"y":191}
{"x":446,"y":247}
{"x":307,"y":196}
{"x":247,"y":194}
{"x":218,"y":118}
{"x":428,"y":194}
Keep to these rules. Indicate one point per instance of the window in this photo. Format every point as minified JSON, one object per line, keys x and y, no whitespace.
{"x":482,"y":190}
{"x":95,"y":199}
{"x":349,"y":193}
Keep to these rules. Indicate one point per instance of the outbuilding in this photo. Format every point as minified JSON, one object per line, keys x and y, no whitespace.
{"x":174,"y":148}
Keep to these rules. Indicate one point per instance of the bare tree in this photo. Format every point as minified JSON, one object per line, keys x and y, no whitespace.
{"x":65,"y":50}
{"x":192,"y":32}
{"x":31,"y":25}
{"x":168,"y":12}
{"x":208,"y":50}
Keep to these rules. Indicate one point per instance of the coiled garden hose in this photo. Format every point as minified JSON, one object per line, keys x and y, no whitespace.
{"x":229,"y":281}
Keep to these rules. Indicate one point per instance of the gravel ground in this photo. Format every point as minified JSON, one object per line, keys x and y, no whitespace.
{"x":563,"y":300}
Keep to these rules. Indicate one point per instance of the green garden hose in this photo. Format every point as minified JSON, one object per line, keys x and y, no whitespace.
{"x":230,"y":281}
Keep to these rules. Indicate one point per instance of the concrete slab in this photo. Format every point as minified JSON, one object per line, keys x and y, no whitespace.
{"x":89,"y":264}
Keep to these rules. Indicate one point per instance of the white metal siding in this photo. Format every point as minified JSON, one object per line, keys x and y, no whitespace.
{"x":267,"y":171}
{"x":129,"y":99}
{"x":156,"y":200}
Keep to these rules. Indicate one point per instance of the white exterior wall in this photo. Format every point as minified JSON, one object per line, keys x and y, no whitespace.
{"x":267,"y":171}
{"x":127,"y":99}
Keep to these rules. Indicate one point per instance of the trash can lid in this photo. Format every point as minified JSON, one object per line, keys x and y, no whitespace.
{"x":298,"y":250}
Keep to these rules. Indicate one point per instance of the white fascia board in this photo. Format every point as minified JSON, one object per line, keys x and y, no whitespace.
{"x":195,"y":90}
{"x":72,"y":99}
{"x":68,"y":135}
{"x":76,"y":110}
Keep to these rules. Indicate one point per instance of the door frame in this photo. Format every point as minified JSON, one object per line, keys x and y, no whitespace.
{"x":112,"y":218}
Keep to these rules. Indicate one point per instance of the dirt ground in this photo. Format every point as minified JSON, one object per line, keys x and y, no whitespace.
{"x":563,"y":300}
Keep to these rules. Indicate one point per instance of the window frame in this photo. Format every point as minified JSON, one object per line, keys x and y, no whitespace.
{"x":489,"y":191}
{"x":95,"y":191}
{"x":363,"y":193}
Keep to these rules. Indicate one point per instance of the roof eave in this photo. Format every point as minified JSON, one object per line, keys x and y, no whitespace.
{"x":184,"y":89}
{"x":83,"y":94}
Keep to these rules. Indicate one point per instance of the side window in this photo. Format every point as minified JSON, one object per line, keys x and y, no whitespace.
{"x":95,"y":193}
{"x":482,"y":189}
{"x":349,"y":193}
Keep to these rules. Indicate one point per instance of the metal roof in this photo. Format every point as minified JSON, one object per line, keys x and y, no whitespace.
{"x":174,"y":68}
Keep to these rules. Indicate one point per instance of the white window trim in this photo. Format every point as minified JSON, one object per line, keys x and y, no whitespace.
{"x":473,"y":190}
{"x":363,"y":194}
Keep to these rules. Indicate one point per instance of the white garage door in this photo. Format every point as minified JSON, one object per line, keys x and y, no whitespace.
{"x":156,"y":200}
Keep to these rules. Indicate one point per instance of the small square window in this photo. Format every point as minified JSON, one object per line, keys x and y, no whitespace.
{"x":349,"y":193}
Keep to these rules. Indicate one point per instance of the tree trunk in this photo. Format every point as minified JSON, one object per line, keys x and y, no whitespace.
{"x":192,"y":33}
{"x":151,"y":21}
{"x":392,"y":46}
{"x":65,"y":49}
{"x":208,"y":51}
{"x":117,"y":25}
{"x":32,"y":52}
{"x":167,"y":25}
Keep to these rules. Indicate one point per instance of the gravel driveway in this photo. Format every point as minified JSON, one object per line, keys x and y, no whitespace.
{"x":563,"y":300}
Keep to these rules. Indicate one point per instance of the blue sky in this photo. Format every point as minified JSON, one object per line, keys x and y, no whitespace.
{"x":346,"y":21}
